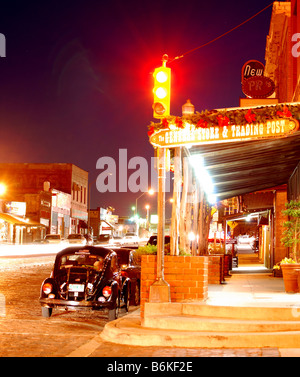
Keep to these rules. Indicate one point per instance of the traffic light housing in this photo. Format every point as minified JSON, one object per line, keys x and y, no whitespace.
{"x":161,"y":92}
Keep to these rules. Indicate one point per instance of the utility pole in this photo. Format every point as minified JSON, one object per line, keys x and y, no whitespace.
{"x":160,"y":289}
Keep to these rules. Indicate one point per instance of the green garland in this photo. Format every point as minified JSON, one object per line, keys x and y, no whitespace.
{"x":212,"y":118}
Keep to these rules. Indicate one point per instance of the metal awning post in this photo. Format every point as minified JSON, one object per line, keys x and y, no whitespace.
{"x":160,"y":289}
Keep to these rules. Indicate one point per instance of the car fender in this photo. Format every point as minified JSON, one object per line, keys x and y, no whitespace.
{"x":126,"y":284}
{"x":115,"y":294}
{"x":51,"y":281}
{"x":115,"y":288}
{"x":126,"y":289}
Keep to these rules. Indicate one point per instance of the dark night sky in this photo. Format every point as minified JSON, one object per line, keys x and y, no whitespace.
{"x":76,"y":84}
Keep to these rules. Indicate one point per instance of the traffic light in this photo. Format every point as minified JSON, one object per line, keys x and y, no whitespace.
{"x":161,"y":91}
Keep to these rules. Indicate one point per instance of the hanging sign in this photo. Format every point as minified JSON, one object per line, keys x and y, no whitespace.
{"x":190,"y":135}
{"x":252,"y":68}
{"x":258,"y":87}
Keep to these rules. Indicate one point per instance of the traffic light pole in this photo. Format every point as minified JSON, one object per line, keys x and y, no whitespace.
{"x":160,"y":289}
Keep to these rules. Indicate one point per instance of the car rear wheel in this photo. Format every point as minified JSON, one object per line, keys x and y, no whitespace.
{"x":114,"y":313}
{"x":46,"y":312}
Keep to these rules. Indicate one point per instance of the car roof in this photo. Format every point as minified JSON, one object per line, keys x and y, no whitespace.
{"x":101,"y":251}
{"x":122,"y":250}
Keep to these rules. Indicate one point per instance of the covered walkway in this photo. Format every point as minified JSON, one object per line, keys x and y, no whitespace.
{"x":253,"y":287}
{"x":250,"y":311}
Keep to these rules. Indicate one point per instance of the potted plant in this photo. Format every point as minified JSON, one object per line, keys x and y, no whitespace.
{"x":277,"y":271}
{"x":291,"y":237}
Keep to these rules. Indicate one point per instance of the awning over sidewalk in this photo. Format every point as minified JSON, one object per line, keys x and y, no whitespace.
{"x":108,"y":224}
{"x":242,"y":167}
{"x":16,"y":220}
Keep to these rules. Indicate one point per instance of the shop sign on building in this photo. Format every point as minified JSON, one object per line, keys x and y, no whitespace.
{"x":15,"y":208}
{"x":258,"y":87}
{"x":252,"y":68}
{"x":190,"y":135}
{"x":254,"y":83}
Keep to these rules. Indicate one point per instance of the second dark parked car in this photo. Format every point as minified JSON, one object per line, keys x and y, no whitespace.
{"x":153,"y":240}
{"x":132,"y":270}
{"x":102,"y":239}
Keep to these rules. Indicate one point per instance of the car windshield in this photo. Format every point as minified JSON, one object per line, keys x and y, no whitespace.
{"x":82,"y":260}
{"x":75,"y":236}
{"x":123,"y":257}
{"x":53,"y":237}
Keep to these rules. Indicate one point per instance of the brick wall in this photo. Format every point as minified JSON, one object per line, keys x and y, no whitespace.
{"x":280,"y":251}
{"x":187,"y":276}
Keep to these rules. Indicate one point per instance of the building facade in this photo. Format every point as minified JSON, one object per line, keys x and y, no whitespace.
{"x":55,"y":194}
{"x":283,"y":50}
{"x":283,"y":67}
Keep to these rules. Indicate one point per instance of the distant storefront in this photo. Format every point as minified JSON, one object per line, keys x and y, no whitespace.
{"x":18,"y":230}
{"x":34,"y":183}
{"x":102,"y":222}
{"x":60,"y":213}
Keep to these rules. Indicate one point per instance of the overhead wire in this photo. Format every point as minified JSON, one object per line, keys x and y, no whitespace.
{"x":220,"y":36}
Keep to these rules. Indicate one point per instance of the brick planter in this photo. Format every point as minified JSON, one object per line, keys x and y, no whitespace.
{"x":216,"y":269}
{"x":187,"y":276}
{"x":227,"y":264}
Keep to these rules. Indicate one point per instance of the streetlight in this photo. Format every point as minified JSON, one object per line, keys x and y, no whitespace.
{"x":147,"y":216}
{"x":150,"y":192}
{"x":2,"y":188}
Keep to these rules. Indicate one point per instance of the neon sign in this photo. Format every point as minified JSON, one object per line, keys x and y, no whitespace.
{"x":190,"y":135}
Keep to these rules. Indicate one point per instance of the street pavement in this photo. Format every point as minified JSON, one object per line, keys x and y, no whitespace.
{"x":24,"y":332}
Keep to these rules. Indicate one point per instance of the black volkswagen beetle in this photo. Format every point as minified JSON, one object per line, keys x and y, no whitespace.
{"x":86,"y":277}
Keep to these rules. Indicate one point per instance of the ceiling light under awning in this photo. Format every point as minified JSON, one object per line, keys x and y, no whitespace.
{"x":206,"y":183}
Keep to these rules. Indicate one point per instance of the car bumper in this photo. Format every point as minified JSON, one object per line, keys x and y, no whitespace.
{"x":53,"y":303}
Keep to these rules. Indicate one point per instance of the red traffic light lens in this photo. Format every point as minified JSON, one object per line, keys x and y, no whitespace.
{"x":159,"y":108}
{"x":161,"y":76}
{"x":161,"y":93}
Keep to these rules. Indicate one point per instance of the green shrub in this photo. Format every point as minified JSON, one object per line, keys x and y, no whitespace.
{"x":152,"y":250}
{"x":291,"y":234}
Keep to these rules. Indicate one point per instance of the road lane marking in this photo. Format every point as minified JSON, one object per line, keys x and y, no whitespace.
{"x":86,"y":349}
